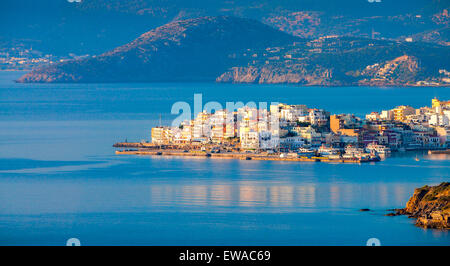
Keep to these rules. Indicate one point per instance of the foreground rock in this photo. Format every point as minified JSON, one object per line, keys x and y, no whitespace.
{"x":430,"y":206}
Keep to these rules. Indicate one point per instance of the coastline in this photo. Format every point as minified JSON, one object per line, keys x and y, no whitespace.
{"x":213,"y":81}
{"x":430,"y":206}
{"x":173,"y":150}
{"x":241,"y":156}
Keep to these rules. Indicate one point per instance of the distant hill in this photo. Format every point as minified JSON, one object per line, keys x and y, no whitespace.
{"x":439,"y":36}
{"x":337,"y":61}
{"x":231,"y":49}
{"x":194,"y":49}
{"x":58,"y":27}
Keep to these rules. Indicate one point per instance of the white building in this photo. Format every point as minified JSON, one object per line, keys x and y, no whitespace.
{"x":439,"y":120}
{"x":292,"y":143}
{"x":387,"y":115}
{"x":373,"y":116}
{"x":267,"y":141}
{"x":249,"y":140}
{"x":293,"y":112}
{"x":202,"y":127}
{"x":318,"y":117}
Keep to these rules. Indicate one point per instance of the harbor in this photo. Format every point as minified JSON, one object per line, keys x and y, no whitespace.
{"x":148,"y":149}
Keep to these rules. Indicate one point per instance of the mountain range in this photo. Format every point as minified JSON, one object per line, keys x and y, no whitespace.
{"x":189,"y":50}
{"x":60,"y":27}
{"x":241,"y":50}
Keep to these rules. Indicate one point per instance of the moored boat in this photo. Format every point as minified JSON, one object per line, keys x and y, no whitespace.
{"x":305,"y":152}
{"x":378,"y":149}
{"x":324,"y":150}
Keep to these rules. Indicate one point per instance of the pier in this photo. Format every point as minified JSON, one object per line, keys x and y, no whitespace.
{"x":148,"y":149}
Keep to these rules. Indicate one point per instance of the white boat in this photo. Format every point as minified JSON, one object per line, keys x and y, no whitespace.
{"x":324,"y":150}
{"x":305,"y":152}
{"x":353,"y":151}
{"x":378,"y":149}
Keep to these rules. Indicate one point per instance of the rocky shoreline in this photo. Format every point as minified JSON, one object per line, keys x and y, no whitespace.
{"x":430,"y":206}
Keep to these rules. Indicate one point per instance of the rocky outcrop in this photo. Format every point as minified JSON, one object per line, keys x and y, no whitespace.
{"x":268,"y":74}
{"x":430,"y":206}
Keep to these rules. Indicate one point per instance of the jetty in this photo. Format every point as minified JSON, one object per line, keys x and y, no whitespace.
{"x":149,"y":149}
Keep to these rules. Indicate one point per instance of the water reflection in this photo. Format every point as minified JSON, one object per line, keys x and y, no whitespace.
{"x":221,"y":195}
{"x":278,"y":197}
{"x":306,"y":196}
{"x":334,"y":196}
{"x":438,"y":157}
{"x":251,"y":195}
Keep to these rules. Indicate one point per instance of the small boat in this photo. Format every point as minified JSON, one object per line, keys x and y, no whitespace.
{"x":417,"y":159}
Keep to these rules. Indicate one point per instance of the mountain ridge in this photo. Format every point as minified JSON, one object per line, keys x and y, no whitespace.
{"x":238,"y":50}
{"x":201,"y":48}
{"x":95,"y":26}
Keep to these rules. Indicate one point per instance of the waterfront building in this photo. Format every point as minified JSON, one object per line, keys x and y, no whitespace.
{"x":202,"y":127}
{"x":267,"y":141}
{"x":186,"y":131}
{"x":249,"y":140}
{"x":160,"y":135}
{"x":293,"y":127}
{"x":231,"y":125}
{"x":291,"y":143}
{"x":218,"y":127}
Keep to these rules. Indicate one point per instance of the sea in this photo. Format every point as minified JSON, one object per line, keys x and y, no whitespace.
{"x":60,"y":177}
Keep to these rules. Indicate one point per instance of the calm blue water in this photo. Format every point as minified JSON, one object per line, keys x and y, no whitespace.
{"x":59,"y":177}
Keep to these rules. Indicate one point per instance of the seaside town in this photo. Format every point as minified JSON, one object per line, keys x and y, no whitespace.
{"x":23,"y":58}
{"x":299,"y":133}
